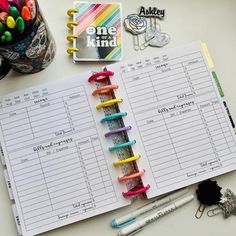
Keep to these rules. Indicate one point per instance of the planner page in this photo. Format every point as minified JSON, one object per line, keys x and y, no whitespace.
{"x":57,"y":163}
{"x":180,"y":124}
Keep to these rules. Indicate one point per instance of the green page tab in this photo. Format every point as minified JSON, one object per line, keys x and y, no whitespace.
{"x":218,"y":84}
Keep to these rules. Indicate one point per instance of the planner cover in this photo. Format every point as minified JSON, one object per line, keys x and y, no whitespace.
{"x":96,"y":31}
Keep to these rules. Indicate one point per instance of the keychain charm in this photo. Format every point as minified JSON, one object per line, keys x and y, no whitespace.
{"x":135,"y":25}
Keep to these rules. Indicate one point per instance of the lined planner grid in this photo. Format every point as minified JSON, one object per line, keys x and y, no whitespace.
{"x":56,"y":156}
{"x":178,"y":115}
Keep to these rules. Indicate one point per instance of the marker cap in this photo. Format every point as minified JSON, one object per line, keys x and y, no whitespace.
{"x":2,"y":28}
{"x":11,"y":22}
{"x":20,"y":24}
{"x":25,"y":12}
{"x":14,"y":12}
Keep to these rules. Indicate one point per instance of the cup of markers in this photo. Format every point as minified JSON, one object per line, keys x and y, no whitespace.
{"x":26,"y":44}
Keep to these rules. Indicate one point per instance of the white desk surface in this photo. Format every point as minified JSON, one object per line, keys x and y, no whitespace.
{"x":212,"y":21}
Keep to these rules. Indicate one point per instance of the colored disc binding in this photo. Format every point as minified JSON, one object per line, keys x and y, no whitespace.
{"x":131,"y":176}
{"x":110,"y":100}
{"x":105,"y":89}
{"x":122,"y":145}
{"x":72,"y":50}
{"x":134,"y":158}
{"x":71,"y":37}
{"x":136,"y":192}
{"x":115,"y":131}
{"x":71,"y":11}
{"x":109,"y":103}
{"x":71,"y":24}
{"x":100,"y":76}
{"x":113,"y":116}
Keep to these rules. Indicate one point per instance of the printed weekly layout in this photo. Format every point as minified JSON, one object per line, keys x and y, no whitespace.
{"x":180,"y":124}
{"x":55,"y":157}
{"x":98,"y":31}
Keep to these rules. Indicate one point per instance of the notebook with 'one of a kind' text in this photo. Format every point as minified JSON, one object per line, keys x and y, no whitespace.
{"x":86,"y":145}
{"x":96,"y":31}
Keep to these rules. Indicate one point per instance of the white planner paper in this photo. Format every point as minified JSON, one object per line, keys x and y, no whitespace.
{"x":179,"y":122}
{"x":55,"y":160}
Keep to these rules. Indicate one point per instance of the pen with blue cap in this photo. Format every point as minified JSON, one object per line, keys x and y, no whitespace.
{"x":130,"y":218}
{"x":139,"y":224}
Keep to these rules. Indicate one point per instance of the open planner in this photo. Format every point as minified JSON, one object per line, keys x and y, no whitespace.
{"x":82,"y":146}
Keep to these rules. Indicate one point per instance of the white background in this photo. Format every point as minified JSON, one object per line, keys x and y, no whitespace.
{"x":211,"y":21}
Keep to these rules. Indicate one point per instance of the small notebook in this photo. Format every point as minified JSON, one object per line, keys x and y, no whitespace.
{"x":96,"y":31}
{"x":160,"y":125}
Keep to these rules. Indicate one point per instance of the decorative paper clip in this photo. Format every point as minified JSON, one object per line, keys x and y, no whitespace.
{"x":136,"y":25}
{"x":105,"y":89}
{"x":127,"y":160}
{"x":113,"y":116}
{"x":122,"y":145}
{"x":71,"y":11}
{"x":139,"y":191}
{"x":208,"y":194}
{"x":115,"y":131}
{"x":100,"y":76}
{"x":226,"y":205}
{"x":131,"y":176}
{"x":109,"y":103}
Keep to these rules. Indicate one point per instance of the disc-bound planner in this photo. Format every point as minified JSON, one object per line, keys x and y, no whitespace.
{"x":96,"y":31}
{"x":86,"y":145}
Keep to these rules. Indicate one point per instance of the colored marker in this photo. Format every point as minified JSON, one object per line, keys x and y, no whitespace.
{"x":32,"y":7}
{"x":11,"y":22}
{"x":14,"y":12}
{"x":7,"y":37}
{"x":25,"y":13}
{"x":20,"y":24}
{"x":3,"y":17}
{"x":4,"y":5}
{"x":2,"y":28}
